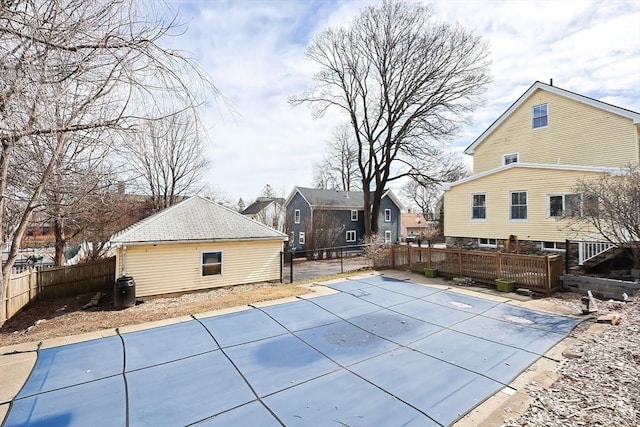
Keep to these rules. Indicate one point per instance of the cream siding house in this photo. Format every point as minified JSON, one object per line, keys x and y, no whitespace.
{"x":526,"y":166}
{"x":197,"y":244}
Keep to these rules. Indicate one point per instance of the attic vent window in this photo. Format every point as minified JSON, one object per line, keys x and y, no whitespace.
{"x":510,"y":158}
{"x":540,"y":116}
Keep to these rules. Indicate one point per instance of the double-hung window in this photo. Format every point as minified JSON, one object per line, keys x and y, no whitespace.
{"x":351,"y":236}
{"x":296,"y":216}
{"x":387,"y":236}
{"x":354,"y":215}
{"x":211,"y":263}
{"x":540,"y":117}
{"x":518,"y":205}
{"x":387,"y":215}
{"x":565,"y":205}
{"x":479,"y":206}
{"x":301,"y":238}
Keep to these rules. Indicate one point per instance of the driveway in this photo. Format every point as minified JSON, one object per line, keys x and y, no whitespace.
{"x":379,"y":351}
{"x":304,"y":270}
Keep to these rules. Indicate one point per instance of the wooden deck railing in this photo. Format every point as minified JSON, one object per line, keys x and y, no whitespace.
{"x":538,"y":273}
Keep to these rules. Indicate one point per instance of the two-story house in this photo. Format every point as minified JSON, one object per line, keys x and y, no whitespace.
{"x":526,"y":166}
{"x":328,"y":218}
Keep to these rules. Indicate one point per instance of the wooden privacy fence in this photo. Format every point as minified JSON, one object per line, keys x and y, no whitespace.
{"x":538,"y":273}
{"x":57,"y":282}
{"x":22,"y":289}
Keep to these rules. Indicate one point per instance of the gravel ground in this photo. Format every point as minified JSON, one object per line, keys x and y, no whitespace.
{"x":599,"y":381}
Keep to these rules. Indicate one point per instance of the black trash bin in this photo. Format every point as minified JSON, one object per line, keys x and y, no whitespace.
{"x":124,"y":293}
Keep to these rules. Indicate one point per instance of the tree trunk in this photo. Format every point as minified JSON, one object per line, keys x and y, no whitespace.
{"x":367,"y":208}
{"x":58,"y":228}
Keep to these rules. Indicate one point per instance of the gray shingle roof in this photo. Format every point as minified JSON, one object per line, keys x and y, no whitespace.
{"x":196,"y":219}
{"x":256,"y":207}
{"x":333,"y":198}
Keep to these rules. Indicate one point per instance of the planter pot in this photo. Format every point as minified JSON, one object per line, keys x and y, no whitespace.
{"x":431,"y":272}
{"x":505,"y":285}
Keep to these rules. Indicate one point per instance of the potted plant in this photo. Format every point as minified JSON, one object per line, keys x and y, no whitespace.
{"x":505,"y":285}
{"x":431,"y":272}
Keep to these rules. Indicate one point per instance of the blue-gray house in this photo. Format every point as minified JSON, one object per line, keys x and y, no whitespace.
{"x":318,"y":218}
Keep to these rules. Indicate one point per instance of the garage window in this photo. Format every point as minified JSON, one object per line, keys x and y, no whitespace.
{"x":211,"y":263}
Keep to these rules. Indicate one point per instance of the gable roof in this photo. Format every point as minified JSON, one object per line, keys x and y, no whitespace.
{"x":612,"y":171}
{"x":556,"y":91}
{"x":334,"y":199}
{"x":260,"y":204}
{"x":196,"y":219}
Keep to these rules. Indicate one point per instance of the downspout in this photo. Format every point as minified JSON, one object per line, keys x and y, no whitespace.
{"x":124,"y":261}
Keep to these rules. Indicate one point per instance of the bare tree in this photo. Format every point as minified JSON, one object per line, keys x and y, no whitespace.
{"x":168,"y":156}
{"x":268,"y":191}
{"x":323,"y":233}
{"x":610,"y":207}
{"x":425,"y":194}
{"x":69,"y":68}
{"x":241,"y":205}
{"x":406,"y":82}
{"x":338,"y":169}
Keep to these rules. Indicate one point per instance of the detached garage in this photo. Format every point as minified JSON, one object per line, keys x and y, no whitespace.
{"x":197,"y":244}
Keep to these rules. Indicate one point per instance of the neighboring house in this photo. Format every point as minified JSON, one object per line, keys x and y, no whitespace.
{"x":267,"y":210}
{"x":526,"y":166}
{"x":197,"y":244}
{"x":328,"y":218}
{"x":414,"y":225}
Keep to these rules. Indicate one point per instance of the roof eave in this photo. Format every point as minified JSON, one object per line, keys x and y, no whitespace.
{"x":195,"y":241}
{"x":597,"y":169}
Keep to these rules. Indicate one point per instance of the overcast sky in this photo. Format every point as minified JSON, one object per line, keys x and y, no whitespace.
{"x":254,"y":51}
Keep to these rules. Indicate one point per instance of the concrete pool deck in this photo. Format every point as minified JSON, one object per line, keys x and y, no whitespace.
{"x":17,"y":362}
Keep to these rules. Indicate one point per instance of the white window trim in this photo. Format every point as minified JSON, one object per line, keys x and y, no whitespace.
{"x":532,"y":116}
{"x":385,"y":215}
{"x":354,"y":217}
{"x":302,"y":238}
{"x":549,"y":196}
{"x":202,"y":263}
{"x":387,"y":233}
{"x":504,"y":158}
{"x":296,"y":216}
{"x":554,"y":249}
{"x":485,"y":207}
{"x":565,"y":214}
{"x":489,"y":244}
{"x":527,"y":205}
{"x":355,"y":236}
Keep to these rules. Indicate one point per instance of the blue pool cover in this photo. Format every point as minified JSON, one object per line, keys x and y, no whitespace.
{"x":380,"y":352}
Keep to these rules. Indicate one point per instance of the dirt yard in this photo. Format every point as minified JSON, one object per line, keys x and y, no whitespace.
{"x":49,"y":319}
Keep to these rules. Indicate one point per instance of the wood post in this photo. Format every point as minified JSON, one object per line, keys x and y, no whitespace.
{"x":548,"y":264}
{"x":460,"y":262}
{"x":393,"y":257}
{"x":499,"y":264}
